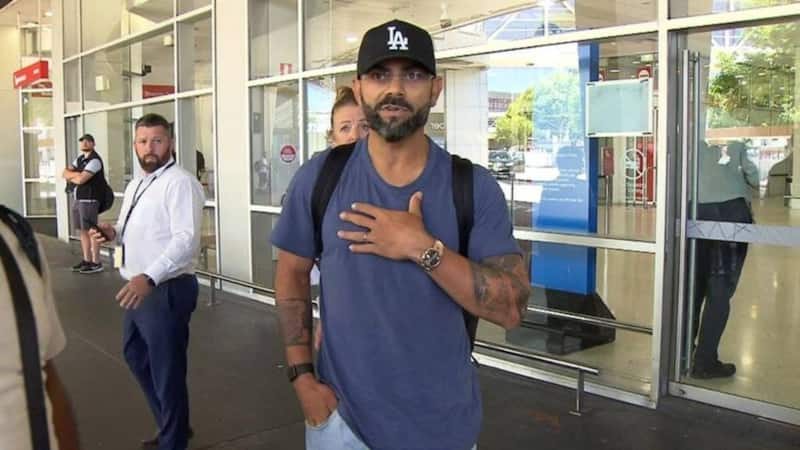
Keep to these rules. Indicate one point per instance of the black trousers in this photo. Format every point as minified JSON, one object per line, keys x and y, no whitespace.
{"x":718,"y":266}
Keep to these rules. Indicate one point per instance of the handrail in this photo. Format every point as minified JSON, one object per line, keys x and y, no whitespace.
{"x":593,"y":320}
{"x":581,"y":369}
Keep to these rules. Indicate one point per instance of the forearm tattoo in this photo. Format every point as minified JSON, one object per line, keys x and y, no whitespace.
{"x":500,"y":284}
{"x":296,"y":320}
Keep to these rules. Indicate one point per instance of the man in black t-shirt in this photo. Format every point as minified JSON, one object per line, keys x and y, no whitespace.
{"x":87,"y":177}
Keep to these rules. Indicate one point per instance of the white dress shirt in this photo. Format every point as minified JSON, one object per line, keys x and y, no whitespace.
{"x":162,"y":236}
{"x":14,"y":426}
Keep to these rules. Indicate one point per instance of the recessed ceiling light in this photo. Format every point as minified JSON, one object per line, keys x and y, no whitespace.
{"x":48,"y":13}
{"x":613,"y":70}
{"x":351,"y":39}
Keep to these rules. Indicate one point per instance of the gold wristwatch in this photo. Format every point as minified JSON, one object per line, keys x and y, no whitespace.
{"x":432,"y":257}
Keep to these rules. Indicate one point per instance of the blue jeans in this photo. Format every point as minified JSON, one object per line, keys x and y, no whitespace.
{"x":335,"y":434}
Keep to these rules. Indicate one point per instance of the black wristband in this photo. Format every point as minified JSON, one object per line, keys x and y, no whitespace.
{"x":292,"y":372}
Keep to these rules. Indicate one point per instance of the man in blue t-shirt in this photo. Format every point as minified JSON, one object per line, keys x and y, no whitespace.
{"x":394,"y":365}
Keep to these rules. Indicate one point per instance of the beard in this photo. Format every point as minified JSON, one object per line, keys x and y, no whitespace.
{"x":395,"y":129}
{"x":151,"y":162}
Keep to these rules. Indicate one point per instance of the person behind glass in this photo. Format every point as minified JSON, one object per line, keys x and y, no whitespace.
{"x":16,"y":419}
{"x":348,"y":125}
{"x":86,"y":179}
{"x":727,"y":178}
{"x":158,"y":236}
{"x":394,"y":365}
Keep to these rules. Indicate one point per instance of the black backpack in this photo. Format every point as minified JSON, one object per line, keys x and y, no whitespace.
{"x":329,"y":176}
{"x":26,"y":323}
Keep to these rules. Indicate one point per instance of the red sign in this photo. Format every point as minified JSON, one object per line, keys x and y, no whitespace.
{"x":284,"y":68}
{"x":157,"y":90}
{"x":643,"y":72}
{"x":28,"y":75}
{"x":608,"y":161}
{"x":288,"y":153}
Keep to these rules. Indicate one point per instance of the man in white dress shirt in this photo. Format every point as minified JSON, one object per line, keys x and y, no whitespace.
{"x":158,"y":236}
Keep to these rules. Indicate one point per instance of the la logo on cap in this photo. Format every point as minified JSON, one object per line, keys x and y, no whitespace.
{"x":396,"y":40}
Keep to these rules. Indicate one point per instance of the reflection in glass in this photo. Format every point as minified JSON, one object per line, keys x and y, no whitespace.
{"x":265,"y":255}
{"x":39,"y":153}
{"x":40,"y":198}
{"x":684,"y":8}
{"x":207,"y":259}
{"x":521,"y":114}
{"x":624,"y":292}
{"x":185,"y":6}
{"x":113,"y":137}
{"x":273,"y":37}
{"x":106,"y":20}
{"x":194,"y":54}
{"x":37,"y":109}
{"x":275,"y":133}
{"x":131,"y":72}
{"x":71,"y":22}
{"x":334,"y":29}
{"x":197,"y":141}
{"x":72,"y":88}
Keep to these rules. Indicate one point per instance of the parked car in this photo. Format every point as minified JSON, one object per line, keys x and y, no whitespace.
{"x":500,"y":163}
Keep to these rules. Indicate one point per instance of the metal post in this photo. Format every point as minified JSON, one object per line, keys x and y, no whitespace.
{"x":511,"y":210}
{"x":213,"y":283}
{"x":694,"y":149}
{"x":578,"y":393}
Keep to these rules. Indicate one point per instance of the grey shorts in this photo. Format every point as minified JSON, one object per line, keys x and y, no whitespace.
{"x":84,"y":213}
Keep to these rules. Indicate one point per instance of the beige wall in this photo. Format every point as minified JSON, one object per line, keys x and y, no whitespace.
{"x":10,"y":160}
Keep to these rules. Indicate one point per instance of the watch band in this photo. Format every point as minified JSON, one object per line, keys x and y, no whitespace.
{"x":292,"y":372}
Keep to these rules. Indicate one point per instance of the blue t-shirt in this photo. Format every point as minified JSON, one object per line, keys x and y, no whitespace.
{"x":395,"y":349}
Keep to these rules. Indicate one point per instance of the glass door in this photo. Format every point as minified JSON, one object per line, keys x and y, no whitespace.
{"x":739,"y":251}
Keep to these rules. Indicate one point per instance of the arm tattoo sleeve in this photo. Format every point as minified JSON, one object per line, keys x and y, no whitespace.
{"x":500,"y":283}
{"x":296,"y":320}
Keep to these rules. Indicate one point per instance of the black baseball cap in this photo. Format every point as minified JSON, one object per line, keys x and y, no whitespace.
{"x":87,"y":137}
{"x":396,"y":39}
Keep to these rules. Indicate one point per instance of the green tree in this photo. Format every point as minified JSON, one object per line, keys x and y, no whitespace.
{"x":516,"y":126}
{"x":753,"y":85}
{"x":557,"y":106}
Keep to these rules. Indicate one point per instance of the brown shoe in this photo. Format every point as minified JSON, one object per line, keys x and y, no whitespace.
{"x":152,"y":443}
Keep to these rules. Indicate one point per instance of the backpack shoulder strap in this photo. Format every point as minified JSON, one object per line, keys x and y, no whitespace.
{"x":24,"y":232}
{"x":464,"y":204}
{"x":463,"y":201}
{"x":324,"y":186}
{"x":29,"y":348}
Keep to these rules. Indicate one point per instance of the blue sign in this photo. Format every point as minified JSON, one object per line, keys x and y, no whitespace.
{"x":568,"y":203}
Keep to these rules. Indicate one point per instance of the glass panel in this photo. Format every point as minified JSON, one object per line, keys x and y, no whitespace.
{"x":133,"y":72}
{"x":194,"y":54}
{"x":740,"y":304}
{"x":112,"y":214}
{"x":36,"y":42}
{"x":521,"y":114}
{"x":334,"y":29}
{"x":185,"y":6}
{"x":72,"y":87}
{"x":37,"y":109}
{"x":320,"y":96}
{"x":106,"y":20}
{"x":608,"y":284}
{"x":759,"y":337}
{"x":71,"y":23}
{"x":39,"y":154}
{"x":71,"y":137}
{"x":113,"y":137}
{"x":275,"y":134}
{"x":265,"y":255}
{"x":273,"y":37}
{"x":40,"y":198}
{"x":684,"y":8}
{"x":197,"y":140}
{"x":207,"y":260}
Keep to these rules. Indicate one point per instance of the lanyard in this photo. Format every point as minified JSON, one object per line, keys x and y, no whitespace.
{"x":136,"y":199}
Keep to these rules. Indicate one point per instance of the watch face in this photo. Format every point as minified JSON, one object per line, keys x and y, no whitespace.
{"x":431,"y":258}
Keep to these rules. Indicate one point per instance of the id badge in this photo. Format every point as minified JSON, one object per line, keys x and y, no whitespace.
{"x":119,"y":256}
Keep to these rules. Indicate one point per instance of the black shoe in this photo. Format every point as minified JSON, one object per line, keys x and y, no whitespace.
{"x":717,"y":369}
{"x":80,"y":266}
{"x":92,"y":268}
{"x":153,"y":442}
